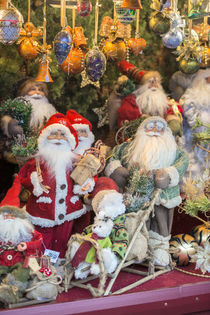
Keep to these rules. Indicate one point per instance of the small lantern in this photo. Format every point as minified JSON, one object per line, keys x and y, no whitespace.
{"x":124,"y":15}
{"x":10,"y":23}
{"x":45,"y":261}
{"x":132,"y":4}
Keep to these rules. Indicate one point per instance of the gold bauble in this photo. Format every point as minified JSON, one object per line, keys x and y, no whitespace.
{"x":159,"y":23}
{"x":189,"y":66}
{"x":201,"y":233}
{"x":28,"y":49}
{"x":74,"y":62}
{"x":136,"y":45}
{"x":115,"y":51}
{"x":182,"y":246}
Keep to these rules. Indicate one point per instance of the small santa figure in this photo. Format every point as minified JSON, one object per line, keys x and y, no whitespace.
{"x":83,"y":128}
{"x":54,"y":203}
{"x":36,"y":93}
{"x":152,"y":159}
{"x":196,"y":106}
{"x":149,"y":99}
{"x":18,"y":240}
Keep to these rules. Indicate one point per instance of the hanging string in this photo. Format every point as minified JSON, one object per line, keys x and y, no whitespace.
{"x":73,"y":18}
{"x":137,"y":23}
{"x":189,"y":20}
{"x":63,"y":13}
{"x":44,"y":25}
{"x":96,"y":22}
{"x":29,"y":10}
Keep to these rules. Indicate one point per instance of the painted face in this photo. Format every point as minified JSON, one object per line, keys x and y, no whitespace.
{"x":153,"y":84}
{"x":82,"y":133}
{"x":36,"y":89}
{"x":8,"y":216}
{"x":57,"y":135}
{"x":155,"y":128}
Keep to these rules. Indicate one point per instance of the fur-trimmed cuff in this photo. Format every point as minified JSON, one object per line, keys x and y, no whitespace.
{"x":170,"y":203}
{"x":78,"y":189}
{"x":37,"y":191}
{"x":111,"y":167}
{"x":174,"y":176}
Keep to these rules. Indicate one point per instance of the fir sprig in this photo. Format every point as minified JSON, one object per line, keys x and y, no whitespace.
{"x":18,"y":109}
{"x":192,"y":207}
{"x":25,"y":148}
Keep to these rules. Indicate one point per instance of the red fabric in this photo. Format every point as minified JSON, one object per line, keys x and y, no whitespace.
{"x":46,"y":211}
{"x":130,"y":70}
{"x":130,"y":111}
{"x":12,"y":196}
{"x":104,"y":183}
{"x":57,"y":237}
{"x":11,"y":257}
{"x":61,"y":119}
{"x":76,"y":118}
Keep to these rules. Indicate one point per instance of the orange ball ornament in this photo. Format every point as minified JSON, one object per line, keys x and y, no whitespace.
{"x":28,"y":49}
{"x":114,"y":51}
{"x":136,"y":45}
{"x":74,"y":62}
{"x":182,"y":246}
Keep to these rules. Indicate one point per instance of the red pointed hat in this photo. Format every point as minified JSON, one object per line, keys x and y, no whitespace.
{"x":59,"y":122}
{"x":77,"y":120}
{"x":11,"y":202}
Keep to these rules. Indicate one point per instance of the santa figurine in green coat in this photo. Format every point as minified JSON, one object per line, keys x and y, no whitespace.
{"x":151,"y":160}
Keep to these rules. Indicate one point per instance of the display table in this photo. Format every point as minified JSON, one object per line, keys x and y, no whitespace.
{"x":171,"y":293}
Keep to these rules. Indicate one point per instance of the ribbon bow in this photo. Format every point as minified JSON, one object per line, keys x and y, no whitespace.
{"x":114,"y":30}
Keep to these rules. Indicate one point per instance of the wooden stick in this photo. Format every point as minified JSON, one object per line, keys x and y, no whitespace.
{"x":133,"y":285}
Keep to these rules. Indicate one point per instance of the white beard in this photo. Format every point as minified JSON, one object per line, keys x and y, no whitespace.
{"x":152,"y":102}
{"x":84,"y":143}
{"x":152,"y":152}
{"x":59,"y":158}
{"x":42,"y":110}
{"x":15,"y":231}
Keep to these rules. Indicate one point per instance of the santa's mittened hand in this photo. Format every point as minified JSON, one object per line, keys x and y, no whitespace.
{"x":120,"y":176}
{"x":14,"y":128}
{"x":162,"y":179}
{"x":175,"y":127}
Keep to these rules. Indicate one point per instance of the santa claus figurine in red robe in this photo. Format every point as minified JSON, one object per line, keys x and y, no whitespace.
{"x":54,"y":202}
{"x":149,"y":99}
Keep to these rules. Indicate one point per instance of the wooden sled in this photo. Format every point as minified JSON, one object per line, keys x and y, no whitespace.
{"x":151,"y":273}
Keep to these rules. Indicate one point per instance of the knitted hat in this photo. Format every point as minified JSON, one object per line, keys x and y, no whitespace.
{"x":77,"y":120}
{"x":104,"y":186}
{"x":11,"y":202}
{"x":139,"y":76}
{"x":59,"y":122}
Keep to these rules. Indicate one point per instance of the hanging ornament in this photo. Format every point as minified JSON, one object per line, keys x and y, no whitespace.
{"x":198,"y":9}
{"x":95,"y":64}
{"x":84,"y":7}
{"x":131,"y":4}
{"x":11,"y":22}
{"x":189,"y":65}
{"x":78,"y":37}
{"x":62,"y":45}
{"x":103,"y":115}
{"x":159,"y":22}
{"x":201,"y":233}
{"x":29,"y":46}
{"x":123,"y":15}
{"x":43,"y":71}
{"x":182,"y":246}
{"x":114,"y":51}
{"x":173,"y":38}
{"x":136,"y":45}
{"x":74,"y":62}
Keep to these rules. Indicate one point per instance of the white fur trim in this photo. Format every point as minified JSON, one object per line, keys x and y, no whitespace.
{"x":74,"y":199}
{"x":174,"y":176}
{"x":111,"y":167}
{"x":77,"y":189}
{"x":50,"y":223}
{"x":171,"y":203}
{"x":95,"y":269}
{"x":37,"y":191}
{"x":44,"y":200}
{"x":47,"y":131}
{"x":81,"y":126}
{"x":110,"y":260}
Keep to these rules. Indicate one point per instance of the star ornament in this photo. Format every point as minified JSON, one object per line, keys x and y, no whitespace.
{"x":103,"y":117}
